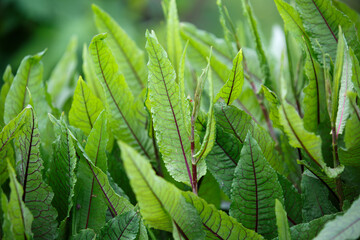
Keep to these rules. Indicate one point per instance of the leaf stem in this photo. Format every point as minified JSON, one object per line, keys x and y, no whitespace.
{"x":193,"y":160}
{"x":337,"y":163}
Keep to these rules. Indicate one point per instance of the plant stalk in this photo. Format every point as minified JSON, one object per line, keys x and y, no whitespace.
{"x":338,"y":182}
{"x":193,"y":161}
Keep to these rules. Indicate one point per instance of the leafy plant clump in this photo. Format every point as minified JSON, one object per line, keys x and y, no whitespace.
{"x":213,"y":138}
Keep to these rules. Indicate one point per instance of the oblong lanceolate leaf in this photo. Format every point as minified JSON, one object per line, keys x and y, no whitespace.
{"x":129,"y":57}
{"x":346,"y":226}
{"x":37,"y":194}
{"x":119,"y":99}
{"x":85,"y":107}
{"x":165,"y":100}
{"x":254,"y":190}
{"x":15,"y":212}
{"x":216,"y":223}
{"x":233,"y":86}
{"x":160,"y":202}
{"x":281,"y":221}
{"x":91,"y":210}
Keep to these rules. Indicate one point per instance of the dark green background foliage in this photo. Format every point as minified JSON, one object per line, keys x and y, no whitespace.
{"x":180,"y":120}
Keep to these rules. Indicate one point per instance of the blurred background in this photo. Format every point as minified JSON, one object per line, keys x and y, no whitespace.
{"x":30,"y":26}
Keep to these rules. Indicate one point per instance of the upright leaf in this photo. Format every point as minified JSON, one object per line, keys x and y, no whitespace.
{"x":321,"y":22}
{"x":315,"y":198}
{"x":346,"y":226}
{"x":173,"y":39}
{"x":62,"y":168}
{"x":37,"y":194}
{"x":92,"y":209}
{"x":124,"y":226}
{"x":62,"y":75}
{"x":8,"y":78}
{"x":15,"y":212}
{"x":254,"y":190}
{"x":129,"y":57}
{"x":119,"y":99}
{"x":171,"y":130}
{"x":281,"y":221}
{"x":160,"y":202}
{"x":300,"y":138}
{"x":216,"y":223}
{"x":233,"y":86}
{"x":85,"y":108}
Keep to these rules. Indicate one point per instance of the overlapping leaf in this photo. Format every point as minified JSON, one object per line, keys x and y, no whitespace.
{"x":129,"y":57}
{"x":254,"y":190}
{"x":281,"y":221}
{"x":8,"y":78}
{"x":160,"y":202}
{"x":16,"y":214}
{"x":216,"y":223}
{"x":171,"y":130}
{"x":119,"y":98}
{"x":85,"y":108}
{"x":37,"y":194}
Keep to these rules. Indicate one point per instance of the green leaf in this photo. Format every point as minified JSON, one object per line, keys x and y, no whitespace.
{"x":160,"y":202}
{"x":86,"y":234}
{"x":238,"y":123}
{"x":85,"y":107}
{"x":264,"y":64}
{"x":124,"y":226}
{"x":224,"y":14}
{"x":15,"y":212}
{"x":119,"y":99}
{"x":128,"y":56}
{"x":223,"y":158}
{"x":9,"y":132}
{"x":216,"y":223}
{"x":321,"y":21}
{"x":346,"y":226}
{"x":343,"y":108}
{"x":254,"y":190}
{"x":90,"y":75}
{"x":355,"y":71}
{"x":91,"y":209}
{"x":274,"y":102}
{"x":292,"y":201}
{"x":281,"y":221}
{"x":209,"y":190}
{"x":37,"y":195}
{"x":165,"y":99}
{"x":315,"y":198}
{"x":62,"y":75}
{"x":174,"y":48}
{"x":8,"y":78}
{"x":62,"y":168}
{"x":233,"y":86}
{"x":300,"y":138}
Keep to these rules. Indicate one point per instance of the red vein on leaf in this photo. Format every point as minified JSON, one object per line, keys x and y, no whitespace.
{"x":127,"y":225}
{"x":233,"y":83}
{"x":172,"y":110}
{"x":86,"y":107}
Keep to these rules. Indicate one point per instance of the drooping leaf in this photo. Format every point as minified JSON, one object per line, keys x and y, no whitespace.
{"x":281,"y":221}
{"x":173,"y":39}
{"x":9,"y":132}
{"x":62,"y":168}
{"x":160,"y":202}
{"x":254,"y":190}
{"x":300,"y":138}
{"x":171,"y":130}
{"x":216,"y":223}
{"x":90,"y":75}
{"x":321,"y":21}
{"x":37,"y":194}
{"x":292,"y":201}
{"x":91,"y":209}
{"x":128,"y":56}
{"x":346,"y":226}
{"x":85,"y":107}
{"x":233,"y":86}
{"x":264,"y":64}
{"x":124,"y":226}
{"x":315,"y":198}
{"x":62,"y":75}
{"x":119,"y":99}
{"x":15,"y":212}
